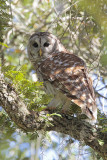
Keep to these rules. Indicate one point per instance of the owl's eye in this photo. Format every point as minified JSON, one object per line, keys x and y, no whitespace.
{"x":46,"y":44}
{"x":35,"y":45}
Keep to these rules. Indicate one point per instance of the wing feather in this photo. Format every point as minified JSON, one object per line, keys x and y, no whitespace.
{"x":68,"y":73}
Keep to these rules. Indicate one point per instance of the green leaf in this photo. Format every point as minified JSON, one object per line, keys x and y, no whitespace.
{"x":17,"y":76}
{"x":103,"y":60}
{"x":23,"y":68}
{"x":101,"y":142}
{"x":3,"y":44}
{"x":8,"y":68}
{"x":54,"y":114}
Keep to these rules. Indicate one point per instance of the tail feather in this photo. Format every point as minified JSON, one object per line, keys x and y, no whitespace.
{"x":89,"y":111}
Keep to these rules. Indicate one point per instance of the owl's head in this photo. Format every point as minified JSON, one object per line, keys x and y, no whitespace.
{"x":42,"y":44}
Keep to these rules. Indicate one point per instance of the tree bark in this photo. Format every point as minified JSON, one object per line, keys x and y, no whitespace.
{"x":33,"y":121}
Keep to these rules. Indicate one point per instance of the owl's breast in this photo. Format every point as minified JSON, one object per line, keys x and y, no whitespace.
{"x":49,"y":88}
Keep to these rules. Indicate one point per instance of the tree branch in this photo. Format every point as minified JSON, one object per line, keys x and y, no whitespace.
{"x":31,"y":121}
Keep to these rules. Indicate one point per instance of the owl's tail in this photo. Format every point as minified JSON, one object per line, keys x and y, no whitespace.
{"x":90,"y":110}
{"x":91,"y":114}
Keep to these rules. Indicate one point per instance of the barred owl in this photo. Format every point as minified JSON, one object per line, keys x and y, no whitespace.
{"x":63,"y":73}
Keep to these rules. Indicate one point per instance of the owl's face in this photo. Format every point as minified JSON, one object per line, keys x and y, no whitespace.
{"x":41,"y":45}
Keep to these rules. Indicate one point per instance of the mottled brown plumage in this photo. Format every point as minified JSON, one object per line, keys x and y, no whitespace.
{"x":63,"y":73}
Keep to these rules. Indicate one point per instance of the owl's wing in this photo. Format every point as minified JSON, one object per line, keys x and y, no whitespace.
{"x":68,"y":73}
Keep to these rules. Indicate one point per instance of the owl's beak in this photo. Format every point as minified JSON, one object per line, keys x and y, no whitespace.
{"x":40,"y":52}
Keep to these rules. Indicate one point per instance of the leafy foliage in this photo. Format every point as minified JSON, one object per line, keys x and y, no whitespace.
{"x":4,"y":17}
{"x":31,"y":92}
{"x":3,"y":44}
{"x":103,"y":60}
{"x":102,"y":118}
